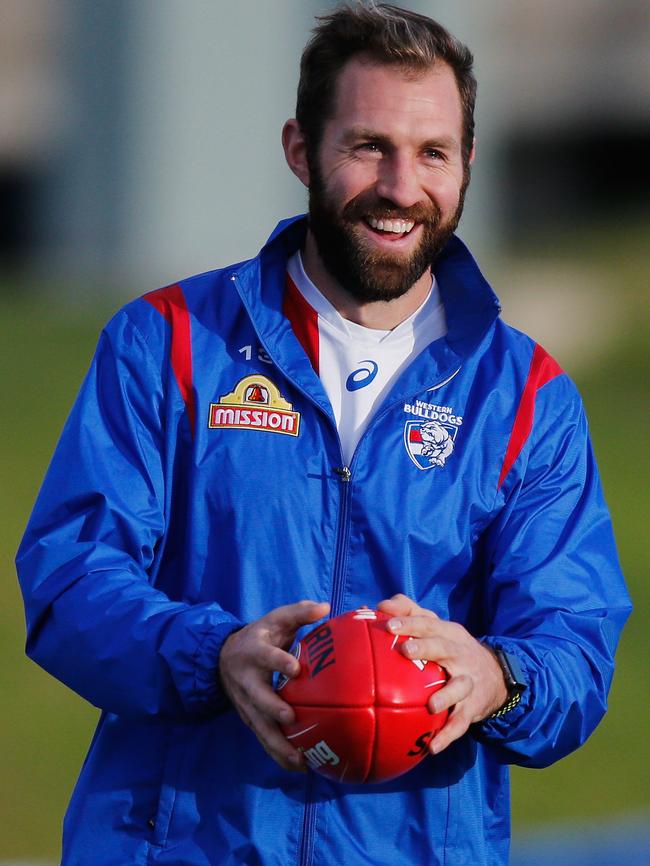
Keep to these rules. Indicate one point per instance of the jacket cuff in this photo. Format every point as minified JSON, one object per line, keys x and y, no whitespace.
{"x":194,"y":660}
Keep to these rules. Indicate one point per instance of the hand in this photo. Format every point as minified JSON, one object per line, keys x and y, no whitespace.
{"x":475,"y":688}
{"x":246,"y":664}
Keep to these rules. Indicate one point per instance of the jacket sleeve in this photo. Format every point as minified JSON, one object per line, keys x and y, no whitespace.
{"x":94,"y":619}
{"x":555,"y":594}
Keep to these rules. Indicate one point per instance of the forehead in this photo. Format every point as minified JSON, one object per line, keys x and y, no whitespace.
{"x":388,"y":98}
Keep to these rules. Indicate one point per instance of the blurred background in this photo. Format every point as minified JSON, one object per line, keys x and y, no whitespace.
{"x":140,"y":142}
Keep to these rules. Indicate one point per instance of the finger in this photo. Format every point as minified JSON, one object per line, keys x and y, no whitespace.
{"x":454,"y":728}
{"x":457,"y":689}
{"x":399,"y":605}
{"x":417,"y":625}
{"x":286,"y":620}
{"x":275,"y":659}
{"x":432,"y":649}
{"x":275,"y":744}
{"x":257,"y":697}
{"x":257,"y":660}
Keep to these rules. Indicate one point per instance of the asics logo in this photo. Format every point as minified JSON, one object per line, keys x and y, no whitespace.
{"x":361,"y":377}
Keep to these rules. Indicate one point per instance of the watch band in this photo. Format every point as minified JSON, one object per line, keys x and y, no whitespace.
{"x":510,"y":704}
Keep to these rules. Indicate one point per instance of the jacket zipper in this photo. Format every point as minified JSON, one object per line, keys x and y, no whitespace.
{"x":340,"y":557}
{"x":308,"y":825}
{"x":345,"y":476}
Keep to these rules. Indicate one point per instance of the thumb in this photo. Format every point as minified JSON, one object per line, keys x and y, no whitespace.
{"x":285,"y":621}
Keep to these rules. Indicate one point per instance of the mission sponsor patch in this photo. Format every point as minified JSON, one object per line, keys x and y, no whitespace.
{"x":255,"y":404}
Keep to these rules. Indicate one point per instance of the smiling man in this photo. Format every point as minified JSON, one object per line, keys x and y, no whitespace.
{"x":386,"y":187}
{"x":344,"y":418}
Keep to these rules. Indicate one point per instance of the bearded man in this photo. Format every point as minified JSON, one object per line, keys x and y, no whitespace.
{"x":346,"y":419}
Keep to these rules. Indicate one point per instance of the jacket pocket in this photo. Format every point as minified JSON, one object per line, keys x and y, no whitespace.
{"x":175,"y":748}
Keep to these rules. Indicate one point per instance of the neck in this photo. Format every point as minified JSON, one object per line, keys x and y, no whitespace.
{"x":381,"y":315}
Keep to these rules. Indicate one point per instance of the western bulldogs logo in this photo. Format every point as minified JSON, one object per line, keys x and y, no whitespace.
{"x":430,"y":441}
{"x":429,"y":444}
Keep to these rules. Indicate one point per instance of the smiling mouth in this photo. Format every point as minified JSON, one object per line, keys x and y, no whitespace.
{"x":390,"y":226}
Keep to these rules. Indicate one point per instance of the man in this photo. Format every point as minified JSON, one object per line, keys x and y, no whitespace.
{"x":344,"y":419}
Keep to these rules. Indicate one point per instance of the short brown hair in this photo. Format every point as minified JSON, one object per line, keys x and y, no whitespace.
{"x":384,"y":34}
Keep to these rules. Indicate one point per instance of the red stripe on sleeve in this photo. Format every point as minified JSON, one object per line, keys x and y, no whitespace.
{"x":543,"y":368}
{"x":304,"y":321}
{"x":170,"y":303}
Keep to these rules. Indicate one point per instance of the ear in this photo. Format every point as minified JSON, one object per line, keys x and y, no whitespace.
{"x":295,"y":150}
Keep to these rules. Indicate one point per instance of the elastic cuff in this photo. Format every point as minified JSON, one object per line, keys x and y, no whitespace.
{"x":207,"y":694}
{"x":191,"y":649}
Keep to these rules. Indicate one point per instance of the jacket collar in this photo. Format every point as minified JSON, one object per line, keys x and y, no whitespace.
{"x":470,"y":307}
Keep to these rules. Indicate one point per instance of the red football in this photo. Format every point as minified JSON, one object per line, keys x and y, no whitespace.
{"x":360,"y":705}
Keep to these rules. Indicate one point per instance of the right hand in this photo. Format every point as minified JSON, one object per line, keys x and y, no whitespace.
{"x":246,"y":665}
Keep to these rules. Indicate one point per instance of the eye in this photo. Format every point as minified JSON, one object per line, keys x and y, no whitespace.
{"x":433,"y":153}
{"x":369,"y":147}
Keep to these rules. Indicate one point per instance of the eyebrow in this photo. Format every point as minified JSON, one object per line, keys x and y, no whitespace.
{"x":357,"y":132}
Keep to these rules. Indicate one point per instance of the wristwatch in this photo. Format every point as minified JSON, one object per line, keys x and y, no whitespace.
{"x":514,"y":679}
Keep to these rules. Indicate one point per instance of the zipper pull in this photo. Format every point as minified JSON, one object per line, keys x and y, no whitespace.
{"x":344,"y":473}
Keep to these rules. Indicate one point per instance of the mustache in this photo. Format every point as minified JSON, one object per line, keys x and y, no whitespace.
{"x":368,"y":205}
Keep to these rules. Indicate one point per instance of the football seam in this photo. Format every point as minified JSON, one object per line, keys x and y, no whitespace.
{"x":396,"y":707}
{"x":373,"y":662}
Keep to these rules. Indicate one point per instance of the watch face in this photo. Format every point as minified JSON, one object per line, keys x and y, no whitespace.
{"x":512,"y":671}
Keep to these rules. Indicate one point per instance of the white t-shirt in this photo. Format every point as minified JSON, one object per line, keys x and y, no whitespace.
{"x":358,"y":365}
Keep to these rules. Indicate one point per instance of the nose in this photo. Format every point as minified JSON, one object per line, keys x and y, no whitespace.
{"x":398,"y":181}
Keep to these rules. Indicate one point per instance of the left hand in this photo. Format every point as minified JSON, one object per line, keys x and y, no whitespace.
{"x":475,"y":688}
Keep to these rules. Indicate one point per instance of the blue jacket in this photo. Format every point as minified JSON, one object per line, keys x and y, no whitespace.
{"x":198,"y":484}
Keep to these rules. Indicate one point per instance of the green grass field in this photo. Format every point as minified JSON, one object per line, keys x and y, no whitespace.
{"x":45,"y":348}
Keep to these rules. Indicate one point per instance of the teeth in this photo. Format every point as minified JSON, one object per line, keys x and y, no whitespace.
{"x":398,"y":227}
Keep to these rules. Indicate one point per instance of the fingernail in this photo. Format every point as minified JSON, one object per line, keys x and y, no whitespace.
{"x":435,"y":708}
{"x":411,"y":647}
{"x":435,"y":746}
{"x":395,"y":624}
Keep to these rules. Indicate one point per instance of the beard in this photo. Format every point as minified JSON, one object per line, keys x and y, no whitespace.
{"x":364,"y":273}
